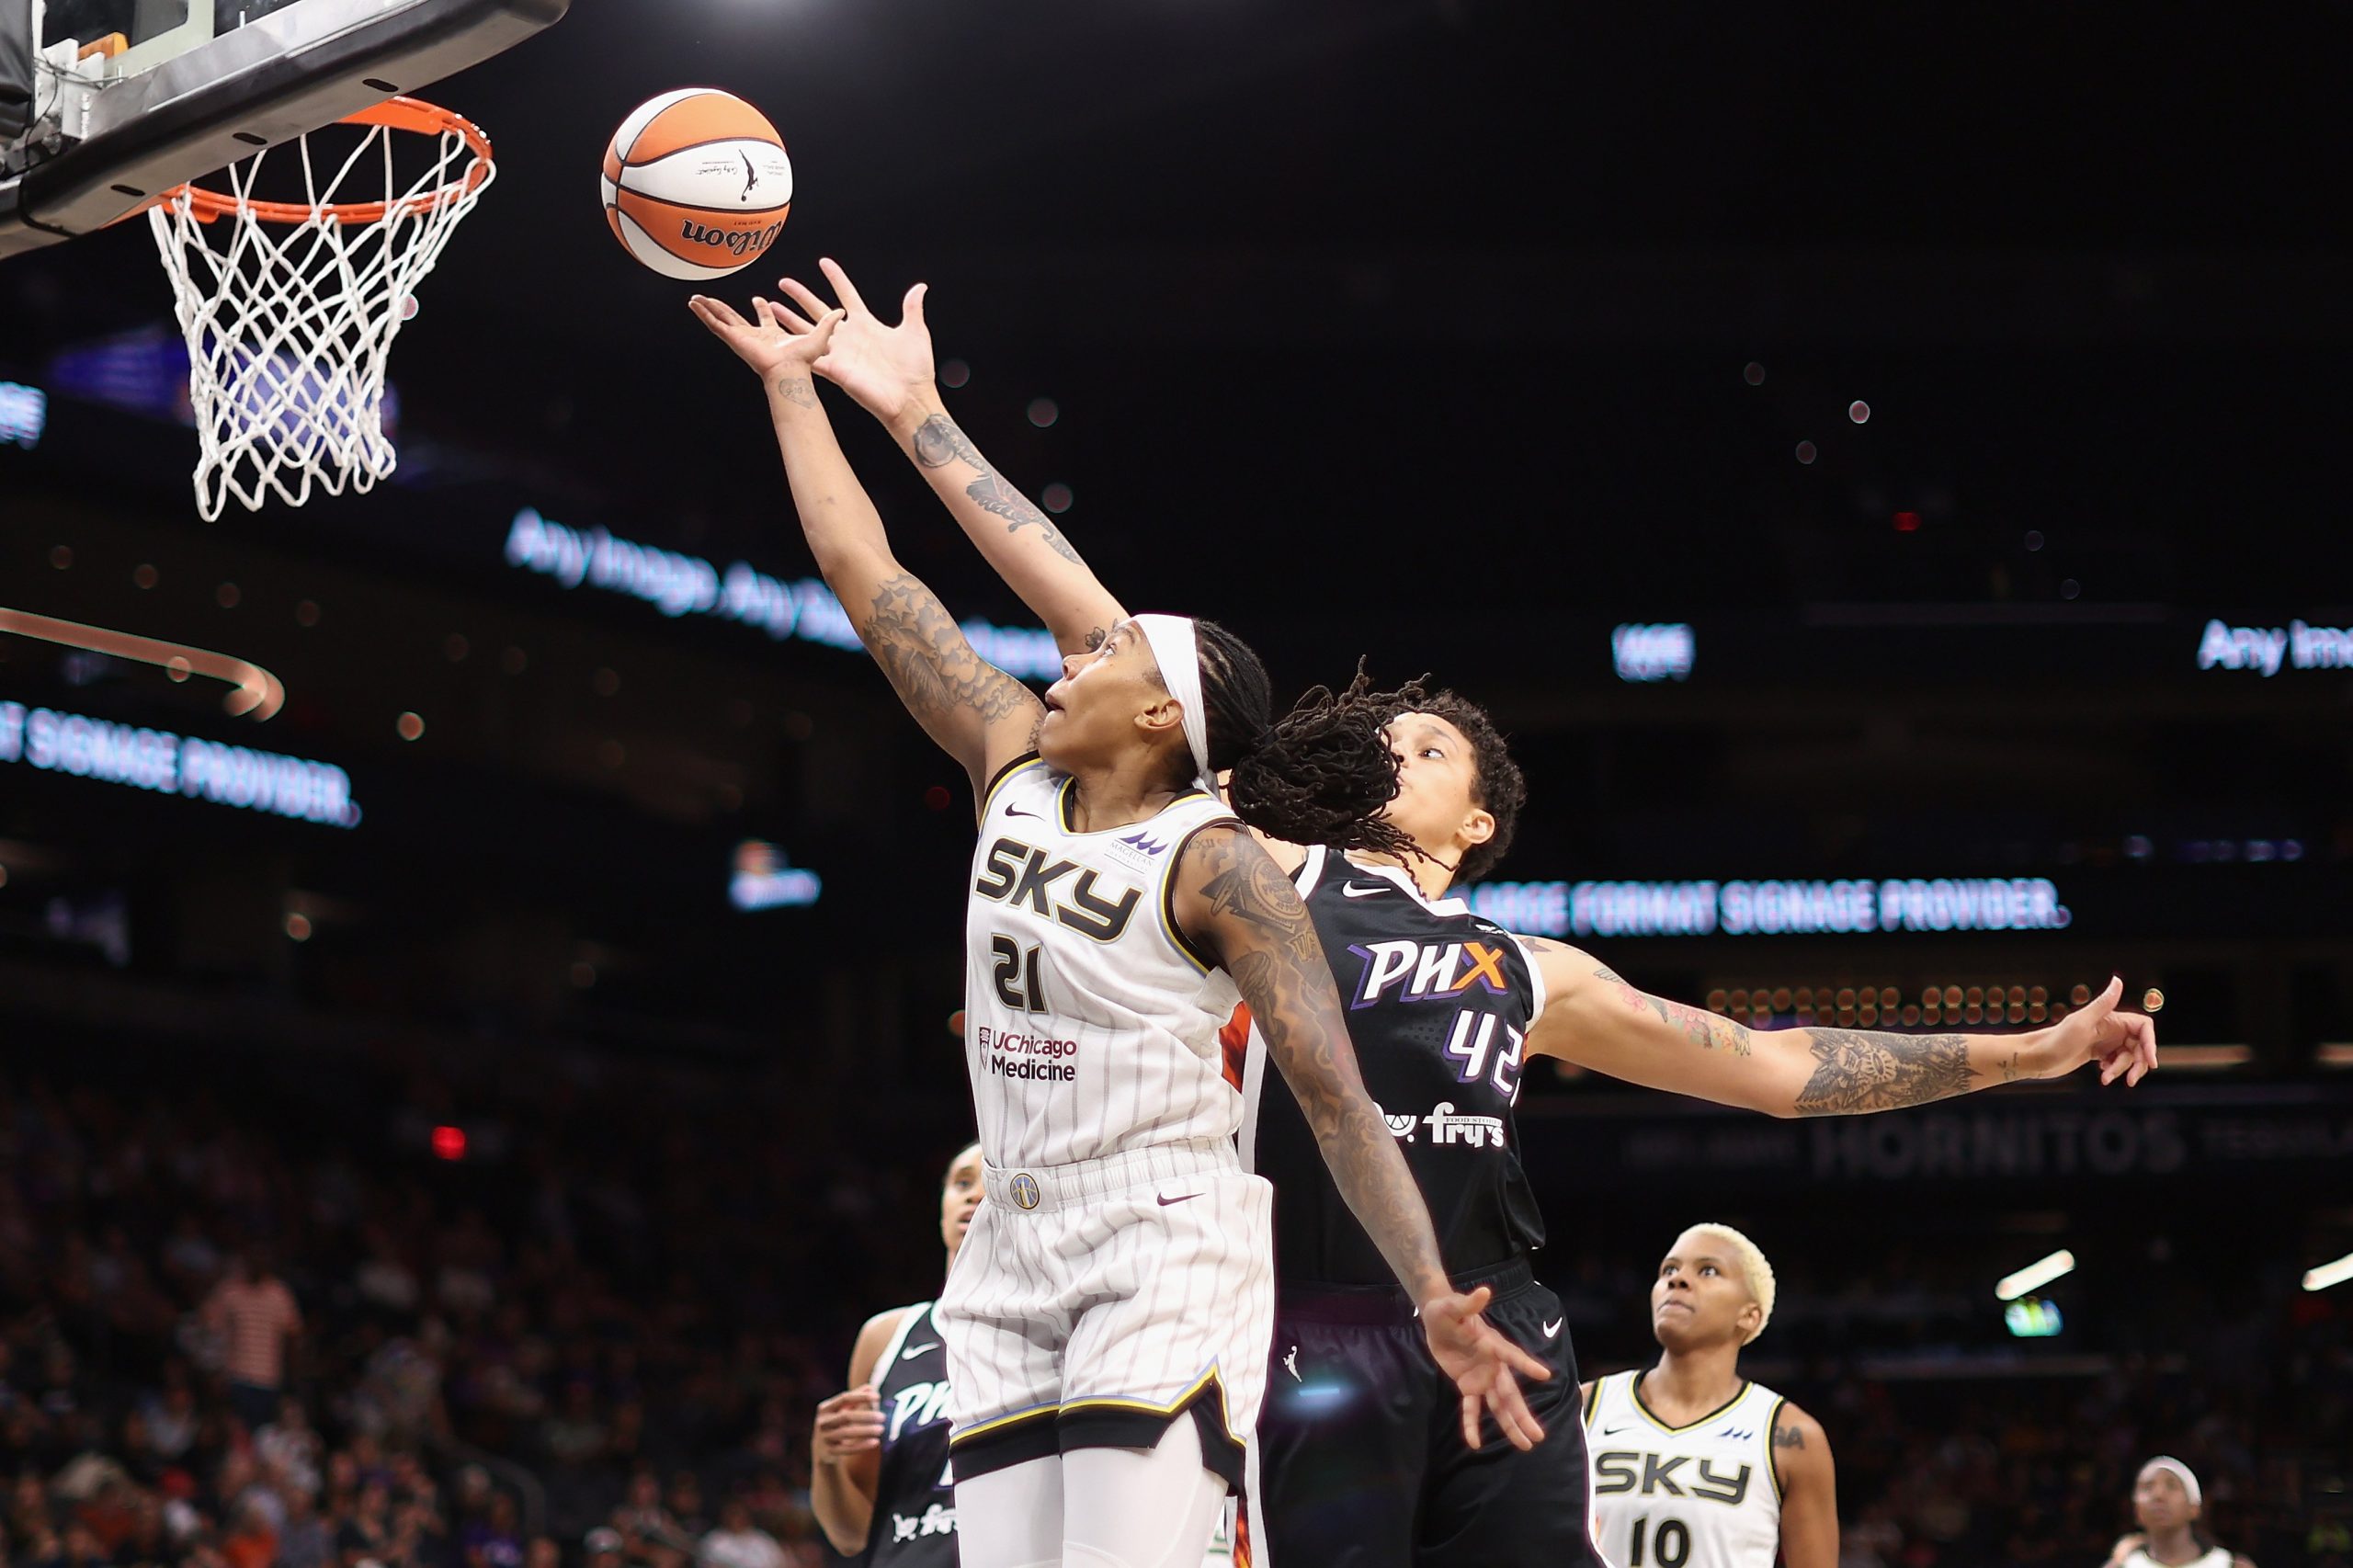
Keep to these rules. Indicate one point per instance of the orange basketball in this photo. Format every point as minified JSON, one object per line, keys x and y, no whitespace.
{"x":695,"y":183}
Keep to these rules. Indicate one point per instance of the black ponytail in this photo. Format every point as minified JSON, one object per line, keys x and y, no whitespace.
{"x":1322,"y":773}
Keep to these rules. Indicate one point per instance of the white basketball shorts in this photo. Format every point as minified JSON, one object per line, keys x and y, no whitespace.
{"x":1094,"y":1303}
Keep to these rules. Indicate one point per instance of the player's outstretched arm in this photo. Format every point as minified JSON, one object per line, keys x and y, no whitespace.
{"x":888,"y":370}
{"x":1232,"y":900}
{"x":1809,"y":1491}
{"x":846,"y":1443}
{"x":1593,"y":1018}
{"x":980,"y":716}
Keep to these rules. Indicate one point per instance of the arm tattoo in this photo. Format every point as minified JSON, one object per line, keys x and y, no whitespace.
{"x":1858,"y":1070}
{"x":1270,"y":948}
{"x":1707,"y":1030}
{"x":938,"y":442}
{"x":994,"y":494}
{"x":924,"y":652}
{"x":1788,"y":1437}
{"x":1095,"y":636}
{"x":795,"y":387}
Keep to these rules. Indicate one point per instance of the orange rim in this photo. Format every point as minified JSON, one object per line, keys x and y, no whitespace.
{"x":392,"y":114}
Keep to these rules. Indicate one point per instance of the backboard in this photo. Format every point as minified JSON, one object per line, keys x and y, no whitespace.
{"x":130,"y":97}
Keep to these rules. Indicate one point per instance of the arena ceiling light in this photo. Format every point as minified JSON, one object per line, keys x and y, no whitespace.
{"x":257,"y":692}
{"x":2329,"y":1274}
{"x":2035,"y":1276}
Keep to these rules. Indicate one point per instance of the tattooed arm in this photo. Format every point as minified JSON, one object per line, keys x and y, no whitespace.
{"x":888,"y":370}
{"x":1593,"y":1018}
{"x":1809,"y":1491}
{"x":1232,"y":901}
{"x":980,"y":716}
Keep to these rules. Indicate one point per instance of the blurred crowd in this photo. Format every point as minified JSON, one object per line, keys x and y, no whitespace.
{"x":252,"y":1316}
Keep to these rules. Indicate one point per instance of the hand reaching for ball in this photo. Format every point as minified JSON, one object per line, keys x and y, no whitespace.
{"x":781,"y":347}
{"x":883,"y":369}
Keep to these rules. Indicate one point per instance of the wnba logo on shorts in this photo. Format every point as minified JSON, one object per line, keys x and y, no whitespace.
{"x":1023,"y":1191}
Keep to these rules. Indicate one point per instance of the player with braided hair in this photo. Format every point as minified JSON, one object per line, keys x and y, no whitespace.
{"x":1445,"y":1008}
{"x":1107,"y":1320}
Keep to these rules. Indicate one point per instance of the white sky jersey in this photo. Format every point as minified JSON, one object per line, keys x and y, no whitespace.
{"x":2139,"y":1557}
{"x":1702,"y":1496}
{"x":1090,"y":1027}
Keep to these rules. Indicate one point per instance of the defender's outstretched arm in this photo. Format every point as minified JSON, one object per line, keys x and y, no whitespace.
{"x":1593,"y":1018}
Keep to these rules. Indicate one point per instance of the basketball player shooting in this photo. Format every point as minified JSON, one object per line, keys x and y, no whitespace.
{"x":1107,"y":1321}
{"x":1693,"y":1465}
{"x":1458,"y":802}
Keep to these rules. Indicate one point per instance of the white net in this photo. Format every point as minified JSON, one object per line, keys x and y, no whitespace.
{"x":290,"y":308}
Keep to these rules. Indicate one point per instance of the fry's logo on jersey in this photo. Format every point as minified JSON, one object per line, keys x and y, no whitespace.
{"x":1016,"y":873}
{"x":934,"y":1520}
{"x":1653,"y":1475}
{"x":1431,"y":972}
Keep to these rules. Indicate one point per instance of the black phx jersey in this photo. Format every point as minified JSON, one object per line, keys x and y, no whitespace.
{"x":914,"y":1502}
{"x":1361,"y":1462}
{"x":1439,"y":1002}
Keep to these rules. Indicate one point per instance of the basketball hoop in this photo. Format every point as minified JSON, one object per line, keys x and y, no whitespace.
{"x":289,"y":308}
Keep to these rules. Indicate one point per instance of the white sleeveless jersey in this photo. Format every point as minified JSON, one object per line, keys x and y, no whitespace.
{"x":1090,"y":1025}
{"x":2218,"y":1557}
{"x":1702,"y":1496}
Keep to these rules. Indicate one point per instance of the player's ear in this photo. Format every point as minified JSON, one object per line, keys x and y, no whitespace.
{"x":1477,"y":828}
{"x":1750,"y":1322}
{"x":1161,"y":715}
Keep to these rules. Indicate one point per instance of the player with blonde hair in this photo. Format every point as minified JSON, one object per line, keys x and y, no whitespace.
{"x":1694,"y":1466}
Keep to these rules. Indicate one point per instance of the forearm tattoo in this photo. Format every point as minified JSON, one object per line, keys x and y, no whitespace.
{"x":924,"y":654}
{"x":938,"y":442}
{"x":1270,"y":948}
{"x":795,"y":387}
{"x":1708,"y":1032}
{"x":1860,"y":1070}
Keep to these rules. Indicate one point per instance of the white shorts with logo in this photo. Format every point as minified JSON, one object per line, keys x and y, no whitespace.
{"x":1094,"y":1303}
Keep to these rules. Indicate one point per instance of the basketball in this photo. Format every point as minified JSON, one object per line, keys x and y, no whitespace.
{"x":696,"y":184}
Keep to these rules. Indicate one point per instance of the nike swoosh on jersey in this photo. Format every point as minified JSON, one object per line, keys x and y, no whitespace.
{"x":1611,"y":1431}
{"x":1018,"y":811}
{"x":1187,"y":1198}
{"x":919,"y":1349}
{"x":1553,"y":1327}
{"x":1348,"y":890}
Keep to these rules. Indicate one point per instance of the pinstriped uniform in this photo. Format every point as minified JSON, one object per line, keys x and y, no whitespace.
{"x":1119,"y":1270}
{"x":1704,"y":1494}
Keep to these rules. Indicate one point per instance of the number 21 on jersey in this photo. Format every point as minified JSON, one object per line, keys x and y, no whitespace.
{"x":1020,"y":974}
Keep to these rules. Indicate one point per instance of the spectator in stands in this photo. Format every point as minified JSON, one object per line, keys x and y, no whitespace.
{"x":738,"y":1542}
{"x":255,"y":1316}
{"x":307,"y":1541}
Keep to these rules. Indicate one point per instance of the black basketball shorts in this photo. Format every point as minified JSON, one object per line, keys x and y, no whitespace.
{"x":1360,"y":1462}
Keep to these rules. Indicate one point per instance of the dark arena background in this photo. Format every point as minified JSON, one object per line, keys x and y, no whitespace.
{"x":1881,"y":465}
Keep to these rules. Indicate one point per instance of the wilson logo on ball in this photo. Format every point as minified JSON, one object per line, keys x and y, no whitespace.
{"x":746,"y":242}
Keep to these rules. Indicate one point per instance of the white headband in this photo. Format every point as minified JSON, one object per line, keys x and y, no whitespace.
{"x":1177,"y":652}
{"x":2180,"y":1472}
